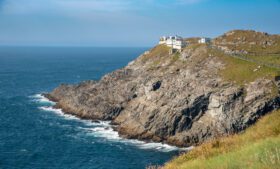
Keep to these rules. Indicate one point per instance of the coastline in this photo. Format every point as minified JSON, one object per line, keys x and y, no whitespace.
{"x":109,"y":127}
{"x":183,"y":99}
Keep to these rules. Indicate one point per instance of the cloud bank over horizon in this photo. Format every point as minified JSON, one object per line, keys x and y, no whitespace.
{"x":128,"y":22}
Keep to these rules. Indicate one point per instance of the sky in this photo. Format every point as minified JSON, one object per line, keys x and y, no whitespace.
{"x":128,"y":23}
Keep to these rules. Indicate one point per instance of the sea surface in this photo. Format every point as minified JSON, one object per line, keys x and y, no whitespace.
{"x":33,"y":135}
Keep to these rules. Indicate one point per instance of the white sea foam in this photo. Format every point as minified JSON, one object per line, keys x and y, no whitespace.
{"x":59,"y":112}
{"x":110,"y":134}
{"x":103,"y":129}
{"x":41,"y":99}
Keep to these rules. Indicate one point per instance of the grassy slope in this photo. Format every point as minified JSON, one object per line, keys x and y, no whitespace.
{"x":235,"y":70}
{"x":257,"y":147}
{"x":251,"y":36}
{"x":241,"y":71}
{"x":267,"y":58}
{"x":156,"y":54}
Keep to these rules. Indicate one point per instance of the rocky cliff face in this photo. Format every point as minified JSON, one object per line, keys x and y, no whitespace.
{"x":180,"y":99}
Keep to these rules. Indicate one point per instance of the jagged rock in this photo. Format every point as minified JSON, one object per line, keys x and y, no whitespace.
{"x":182,"y":103}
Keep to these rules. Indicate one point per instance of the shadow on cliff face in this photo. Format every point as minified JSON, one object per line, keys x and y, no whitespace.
{"x":182,"y":98}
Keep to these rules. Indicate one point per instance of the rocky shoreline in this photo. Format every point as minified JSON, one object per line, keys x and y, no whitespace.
{"x":179,"y":99}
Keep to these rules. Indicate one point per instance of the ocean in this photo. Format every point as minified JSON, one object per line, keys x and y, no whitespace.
{"x":33,"y":135}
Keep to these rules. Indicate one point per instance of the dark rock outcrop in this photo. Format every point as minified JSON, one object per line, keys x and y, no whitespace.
{"x":182,"y":102}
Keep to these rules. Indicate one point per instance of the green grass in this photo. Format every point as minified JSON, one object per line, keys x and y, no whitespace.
{"x":270,"y":59}
{"x":160,"y":55}
{"x":261,"y":47}
{"x":257,"y":148}
{"x":251,"y":36}
{"x":157,"y":56}
{"x":175,"y":57}
{"x":256,"y":49}
{"x":242,"y":72}
{"x":195,"y":46}
{"x":259,"y":155}
{"x":236,"y":70}
{"x":158,"y":52}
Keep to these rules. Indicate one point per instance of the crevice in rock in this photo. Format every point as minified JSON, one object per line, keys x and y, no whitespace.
{"x":156,"y":85}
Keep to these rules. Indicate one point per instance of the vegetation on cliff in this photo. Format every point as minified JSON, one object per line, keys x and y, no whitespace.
{"x":258,"y":147}
{"x":258,"y":46}
{"x":250,"y":42}
{"x":242,"y":71}
{"x":184,"y":98}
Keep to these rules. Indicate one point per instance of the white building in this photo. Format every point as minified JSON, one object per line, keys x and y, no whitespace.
{"x":175,"y":42}
{"x":204,"y":40}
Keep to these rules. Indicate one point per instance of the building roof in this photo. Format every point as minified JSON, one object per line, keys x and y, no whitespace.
{"x":176,"y":37}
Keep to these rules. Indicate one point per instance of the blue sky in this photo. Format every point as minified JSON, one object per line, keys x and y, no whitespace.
{"x":128,"y":22}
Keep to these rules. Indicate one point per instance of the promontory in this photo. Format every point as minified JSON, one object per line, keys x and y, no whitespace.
{"x":184,"y":97}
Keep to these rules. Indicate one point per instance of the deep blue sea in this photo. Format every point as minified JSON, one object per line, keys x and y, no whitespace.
{"x":33,"y":135}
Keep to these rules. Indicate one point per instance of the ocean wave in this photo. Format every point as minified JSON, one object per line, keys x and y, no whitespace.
{"x":41,"y":99}
{"x":108,"y":133}
{"x":103,"y":129}
{"x":58,"y":112}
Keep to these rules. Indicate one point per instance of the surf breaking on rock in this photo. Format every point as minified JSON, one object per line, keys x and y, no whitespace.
{"x":101,"y":129}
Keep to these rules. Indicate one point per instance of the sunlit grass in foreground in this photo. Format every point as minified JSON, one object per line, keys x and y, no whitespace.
{"x":258,"y":147}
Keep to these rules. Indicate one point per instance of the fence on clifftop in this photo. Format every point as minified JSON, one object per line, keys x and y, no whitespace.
{"x":246,"y":58}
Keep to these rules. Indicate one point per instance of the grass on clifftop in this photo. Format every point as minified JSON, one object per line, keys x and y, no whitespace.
{"x":157,"y":53}
{"x":241,"y":71}
{"x":258,"y":147}
{"x":159,"y":56}
{"x":251,"y":41}
{"x":236,"y":70}
{"x":267,"y":58}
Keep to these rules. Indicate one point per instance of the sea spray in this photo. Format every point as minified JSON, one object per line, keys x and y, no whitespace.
{"x":102,"y":129}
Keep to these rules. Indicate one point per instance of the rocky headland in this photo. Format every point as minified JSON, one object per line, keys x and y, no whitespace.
{"x":184,"y":98}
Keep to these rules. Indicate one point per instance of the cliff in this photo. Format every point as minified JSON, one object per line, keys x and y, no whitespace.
{"x":258,"y":147}
{"x":182,"y":99}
